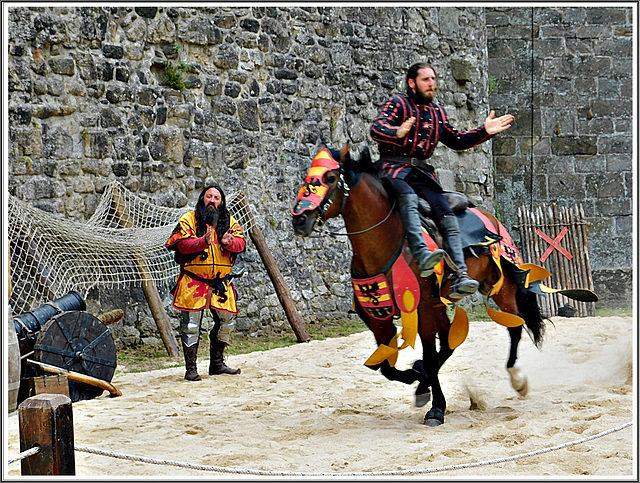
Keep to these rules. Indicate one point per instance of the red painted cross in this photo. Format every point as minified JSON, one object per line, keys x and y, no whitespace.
{"x":554,"y":244}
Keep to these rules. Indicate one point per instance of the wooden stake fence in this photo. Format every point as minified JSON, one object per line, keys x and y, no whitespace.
{"x":566,"y":273}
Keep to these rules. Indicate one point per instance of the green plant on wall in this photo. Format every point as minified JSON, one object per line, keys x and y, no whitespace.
{"x":497,"y":211}
{"x":334,"y":113}
{"x":492,"y":84}
{"x":174,"y":72}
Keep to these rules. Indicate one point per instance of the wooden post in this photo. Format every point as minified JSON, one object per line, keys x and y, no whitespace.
{"x":148,"y":286}
{"x":46,"y":420}
{"x":274,"y":273}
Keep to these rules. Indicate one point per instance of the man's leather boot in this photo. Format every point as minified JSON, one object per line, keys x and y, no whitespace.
{"x":408,"y":209}
{"x":190,"y":357}
{"x":462,"y":285}
{"x":216,"y":364}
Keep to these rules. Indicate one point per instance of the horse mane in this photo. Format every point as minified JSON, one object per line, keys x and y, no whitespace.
{"x":357,"y":162}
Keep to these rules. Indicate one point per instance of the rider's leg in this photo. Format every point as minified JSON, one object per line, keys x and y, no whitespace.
{"x":462,"y":284}
{"x":408,"y":209}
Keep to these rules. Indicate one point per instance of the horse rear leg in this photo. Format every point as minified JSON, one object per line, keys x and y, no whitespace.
{"x":518,"y":379}
{"x":506,"y":301}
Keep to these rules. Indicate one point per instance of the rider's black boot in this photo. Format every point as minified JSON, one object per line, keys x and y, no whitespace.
{"x":408,"y":209}
{"x":462,"y":284}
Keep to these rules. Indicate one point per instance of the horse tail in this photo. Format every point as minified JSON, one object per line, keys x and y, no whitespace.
{"x":529,"y":310}
{"x":527,"y":302}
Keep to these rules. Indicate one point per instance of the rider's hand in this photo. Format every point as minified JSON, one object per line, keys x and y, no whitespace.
{"x":207,"y":236}
{"x":405,"y":127}
{"x":493,"y":126}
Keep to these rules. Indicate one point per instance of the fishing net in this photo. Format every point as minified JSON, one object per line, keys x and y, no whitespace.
{"x":120,"y":246}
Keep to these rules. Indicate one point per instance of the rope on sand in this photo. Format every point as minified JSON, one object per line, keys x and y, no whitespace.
{"x":418,"y":471}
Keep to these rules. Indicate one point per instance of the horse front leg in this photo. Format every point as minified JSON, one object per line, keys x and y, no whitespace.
{"x":518,"y":379}
{"x":384,"y":331}
{"x":423,"y":391}
{"x":431,"y":364}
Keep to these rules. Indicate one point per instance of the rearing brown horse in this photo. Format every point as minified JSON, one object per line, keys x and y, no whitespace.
{"x":337,"y":184}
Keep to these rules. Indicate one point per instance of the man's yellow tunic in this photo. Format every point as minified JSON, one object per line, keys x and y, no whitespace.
{"x":211,"y":264}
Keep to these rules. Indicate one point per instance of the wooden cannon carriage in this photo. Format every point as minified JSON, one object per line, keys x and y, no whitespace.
{"x":61,"y":340}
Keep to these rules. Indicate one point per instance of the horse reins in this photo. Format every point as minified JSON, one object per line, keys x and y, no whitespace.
{"x":334,"y":233}
{"x":323,"y":208}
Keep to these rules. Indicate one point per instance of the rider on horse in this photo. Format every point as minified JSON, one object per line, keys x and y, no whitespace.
{"x":407,"y":131}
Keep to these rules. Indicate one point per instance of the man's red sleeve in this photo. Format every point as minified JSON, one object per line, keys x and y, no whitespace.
{"x":237,"y":245}
{"x":191,"y":245}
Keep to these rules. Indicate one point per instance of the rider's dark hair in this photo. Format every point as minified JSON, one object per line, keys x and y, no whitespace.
{"x":412,"y":73}
{"x":224,"y":221}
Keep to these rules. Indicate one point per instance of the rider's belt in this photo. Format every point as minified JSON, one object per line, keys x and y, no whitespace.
{"x":420,"y":163}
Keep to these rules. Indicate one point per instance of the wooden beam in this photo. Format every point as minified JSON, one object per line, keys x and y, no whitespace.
{"x":148,"y":285}
{"x":274,"y":273}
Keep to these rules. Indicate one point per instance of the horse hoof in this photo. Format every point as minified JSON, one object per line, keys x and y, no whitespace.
{"x":435,"y":417}
{"x":518,"y":380}
{"x":524,"y":390}
{"x":422,"y":399}
{"x":423,"y":395}
{"x":432,"y":423}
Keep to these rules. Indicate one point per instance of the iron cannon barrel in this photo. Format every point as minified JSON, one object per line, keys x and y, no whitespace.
{"x":30,"y":323}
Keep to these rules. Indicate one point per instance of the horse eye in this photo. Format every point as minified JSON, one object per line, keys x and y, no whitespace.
{"x":331,"y":178}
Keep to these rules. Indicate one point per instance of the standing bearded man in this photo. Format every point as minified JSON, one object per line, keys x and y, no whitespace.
{"x":206,"y":242}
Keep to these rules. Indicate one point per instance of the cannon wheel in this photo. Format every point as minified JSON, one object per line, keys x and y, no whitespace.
{"x":77,"y":341}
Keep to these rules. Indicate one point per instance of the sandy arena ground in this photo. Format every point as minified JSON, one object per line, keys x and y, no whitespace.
{"x":315,"y":408}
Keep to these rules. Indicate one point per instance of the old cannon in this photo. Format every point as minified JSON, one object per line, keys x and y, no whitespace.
{"x":61,"y":337}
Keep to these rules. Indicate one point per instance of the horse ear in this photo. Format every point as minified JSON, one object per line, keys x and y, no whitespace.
{"x":343,"y":152}
{"x":365,"y":154}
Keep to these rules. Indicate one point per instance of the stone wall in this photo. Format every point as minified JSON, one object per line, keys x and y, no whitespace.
{"x":261,"y":89}
{"x":566,"y":74}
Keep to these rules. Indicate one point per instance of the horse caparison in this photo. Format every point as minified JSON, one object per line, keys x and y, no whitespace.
{"x":355,"y":192}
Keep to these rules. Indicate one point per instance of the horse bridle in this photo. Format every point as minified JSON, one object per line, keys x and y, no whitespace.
{"x":324,"y":207}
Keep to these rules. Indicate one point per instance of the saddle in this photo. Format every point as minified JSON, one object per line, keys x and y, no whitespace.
{"x":459,"y":202}
{"x":472,"y":229}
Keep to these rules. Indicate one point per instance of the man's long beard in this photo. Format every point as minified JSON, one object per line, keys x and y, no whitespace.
{"x":211,"y":215}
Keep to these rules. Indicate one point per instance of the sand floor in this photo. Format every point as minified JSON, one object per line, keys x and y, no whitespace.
{"x":315,"y":409}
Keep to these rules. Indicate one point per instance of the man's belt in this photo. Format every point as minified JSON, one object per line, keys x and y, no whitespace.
{"x":420,"y":163}
{"x":213,"y":282}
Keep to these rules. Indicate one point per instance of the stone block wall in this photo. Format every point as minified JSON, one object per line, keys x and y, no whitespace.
{"x":166,"y":99}
{"x":566,"y":74}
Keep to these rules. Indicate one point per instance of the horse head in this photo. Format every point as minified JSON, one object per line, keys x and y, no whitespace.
{"x":323,"y":186}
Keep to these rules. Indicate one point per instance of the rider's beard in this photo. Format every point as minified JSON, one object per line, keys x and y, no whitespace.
{"x":211,"y":215}
{"x":425,"y":97}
